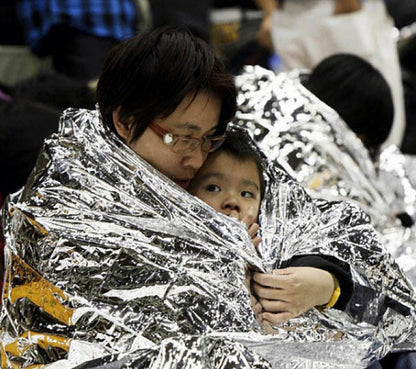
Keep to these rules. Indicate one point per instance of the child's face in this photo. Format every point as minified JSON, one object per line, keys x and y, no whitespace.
{"x":228,"y":184}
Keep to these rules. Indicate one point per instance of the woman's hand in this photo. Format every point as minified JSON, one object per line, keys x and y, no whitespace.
{"x":254,"y":303}
{"x":289,"y":292}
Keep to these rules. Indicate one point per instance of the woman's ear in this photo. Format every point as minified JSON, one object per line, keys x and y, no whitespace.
{"x":122,"y":128}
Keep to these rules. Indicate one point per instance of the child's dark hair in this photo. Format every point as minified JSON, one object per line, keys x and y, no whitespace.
{"x":238,"y":145}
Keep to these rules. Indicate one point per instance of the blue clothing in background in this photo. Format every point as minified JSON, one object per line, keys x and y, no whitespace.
{"x":115,"y":19}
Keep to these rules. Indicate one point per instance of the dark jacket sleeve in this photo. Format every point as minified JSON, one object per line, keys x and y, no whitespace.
{"x":332,"y":265}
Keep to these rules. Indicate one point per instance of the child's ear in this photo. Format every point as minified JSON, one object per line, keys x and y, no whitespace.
{"x":122,"y":128}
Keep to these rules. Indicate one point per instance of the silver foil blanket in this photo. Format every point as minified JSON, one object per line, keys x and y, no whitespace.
{"x":313,"y":144}
{"x":410,"y":168}
{"x":111,"y":264}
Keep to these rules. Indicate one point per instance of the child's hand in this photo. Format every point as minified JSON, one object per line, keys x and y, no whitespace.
{"x":289,"y":292}
{"x":250,"y":221}
{"x":252,"y":231}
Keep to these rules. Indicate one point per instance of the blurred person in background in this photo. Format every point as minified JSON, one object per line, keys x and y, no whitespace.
{"x":194,"y":15}
{"x":77,"y":34}
{"x":305,"y":32}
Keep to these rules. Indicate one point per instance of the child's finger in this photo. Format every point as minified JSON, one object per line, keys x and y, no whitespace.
{"x":249,"y":218}
{"x":256,"y":241}
{"x":234,"y":214}
{"x":253,"y":229}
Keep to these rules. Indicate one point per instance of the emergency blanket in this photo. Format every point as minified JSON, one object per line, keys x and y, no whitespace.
{"x":110,"y":264}
{"x":314,"y":145}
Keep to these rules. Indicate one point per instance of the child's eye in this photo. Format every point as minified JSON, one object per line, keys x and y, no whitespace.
{"x":213,"y":188}
{"x":247,"y":194}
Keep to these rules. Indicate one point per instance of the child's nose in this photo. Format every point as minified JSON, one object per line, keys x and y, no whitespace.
{"x":231,"y":203}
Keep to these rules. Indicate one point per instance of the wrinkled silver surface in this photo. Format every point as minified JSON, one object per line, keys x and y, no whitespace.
{"x":311,"y":142}
{"x":410,"y":168}
{"x":107,"y":260}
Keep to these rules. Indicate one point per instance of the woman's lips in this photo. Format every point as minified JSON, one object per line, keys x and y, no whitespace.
{"x":184,"y":183}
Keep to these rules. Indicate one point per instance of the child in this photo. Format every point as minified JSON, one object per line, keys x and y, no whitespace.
{"x":231,"y":181}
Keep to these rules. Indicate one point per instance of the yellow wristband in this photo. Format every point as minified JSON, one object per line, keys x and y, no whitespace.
{"x":334,"y":298}
{"x":335,"y":295}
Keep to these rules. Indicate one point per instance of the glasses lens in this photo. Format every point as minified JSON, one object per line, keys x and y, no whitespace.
{"x":211,"y":144}
{"x":184,"y":145}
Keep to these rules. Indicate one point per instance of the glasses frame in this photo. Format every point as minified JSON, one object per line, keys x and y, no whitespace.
{"x":170,"y":139}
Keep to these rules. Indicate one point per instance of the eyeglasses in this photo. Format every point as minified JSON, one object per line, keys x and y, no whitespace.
{"x":184,"y":145}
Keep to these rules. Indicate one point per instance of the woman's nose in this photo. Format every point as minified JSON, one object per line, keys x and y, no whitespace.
{"x":195,"y":159}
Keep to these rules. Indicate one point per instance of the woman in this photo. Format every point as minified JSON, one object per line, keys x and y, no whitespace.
{"x":167,"y":82}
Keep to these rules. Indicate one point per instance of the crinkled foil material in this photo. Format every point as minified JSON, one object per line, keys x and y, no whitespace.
{"x":311,"y":142}
{"x":109,"y":264}
{"x":410,"y":168}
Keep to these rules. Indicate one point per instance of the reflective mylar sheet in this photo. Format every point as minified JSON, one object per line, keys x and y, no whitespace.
{"x":314,"y":145}
{"x":410,"y":168}
{"x":110,"y":264}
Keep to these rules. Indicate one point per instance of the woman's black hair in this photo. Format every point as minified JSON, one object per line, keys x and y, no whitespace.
{"x":358,"y":93}
{"x":148,"y":75}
